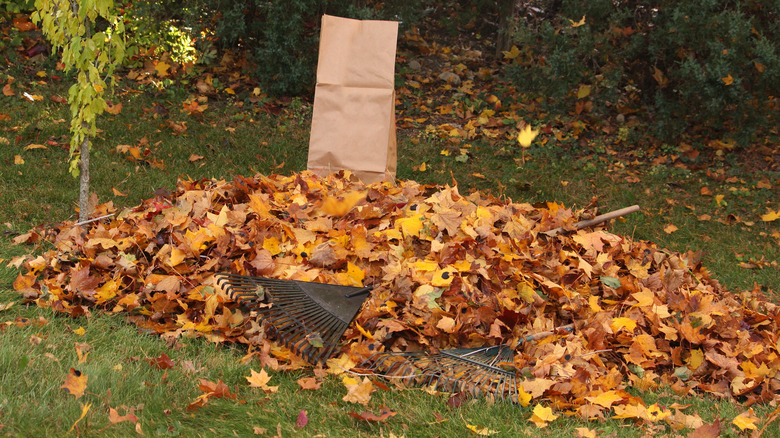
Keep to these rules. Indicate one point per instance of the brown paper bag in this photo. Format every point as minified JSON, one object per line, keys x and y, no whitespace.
{"x":353,"y":121}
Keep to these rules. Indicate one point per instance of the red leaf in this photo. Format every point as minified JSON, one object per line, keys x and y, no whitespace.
{"x":302,"y":420}
{"x":163,"y":362}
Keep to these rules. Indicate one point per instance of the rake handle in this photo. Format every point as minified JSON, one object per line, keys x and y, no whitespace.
{"x":362,"y":291}
{"x":597,"y":220}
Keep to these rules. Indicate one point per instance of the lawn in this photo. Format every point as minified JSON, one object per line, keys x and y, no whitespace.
{"x":692,"y":199}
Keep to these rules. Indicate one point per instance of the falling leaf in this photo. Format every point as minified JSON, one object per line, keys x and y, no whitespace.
{"x":260,"y":380}
{"x":542,"y":416}
{"x":579,"y":23}
{"x":584,"y":90}
{"x":526,"y":136}
{"x":512,"y":53}
{"x":481,"y":431}
{"x":75,"y":383}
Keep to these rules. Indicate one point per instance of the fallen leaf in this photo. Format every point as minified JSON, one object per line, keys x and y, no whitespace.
{"x":302,"y":420}
{"x":728,"y":80}
{"x":526,"y":136}
{"x":75,"y":383}
{"x":358,"y":392}
{"x":260,"y":380}
{"x":746,"y":420}
{"x":309,"y":383}
{"x":542,"y":416}
{"x":163,"y":362}
{"x":384,"y":414}
{"x":114,"y":417}
{"x":481,"y":431}
{"x":18,"y":159}
{"x":670,"y":228}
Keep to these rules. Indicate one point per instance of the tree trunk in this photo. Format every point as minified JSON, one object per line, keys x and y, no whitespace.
{"x":84,"y":207}
{"x":506,"y":12}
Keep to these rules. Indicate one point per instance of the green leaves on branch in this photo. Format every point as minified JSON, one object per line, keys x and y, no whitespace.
{"x":90,"y":36}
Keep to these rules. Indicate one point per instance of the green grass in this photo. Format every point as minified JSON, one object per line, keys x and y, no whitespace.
{"x":238,"y":139}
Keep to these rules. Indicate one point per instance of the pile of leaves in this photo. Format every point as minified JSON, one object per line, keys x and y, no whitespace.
{"x":448,"y":271}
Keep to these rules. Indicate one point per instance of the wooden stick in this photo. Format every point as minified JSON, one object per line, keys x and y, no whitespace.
{"x":596,"y":220}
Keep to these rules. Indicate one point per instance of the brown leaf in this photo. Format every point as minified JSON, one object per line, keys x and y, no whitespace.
{"x":309,"y":383}
{"x":384,"y":414}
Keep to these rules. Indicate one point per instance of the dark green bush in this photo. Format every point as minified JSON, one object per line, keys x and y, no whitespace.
{"x":707,"y":65}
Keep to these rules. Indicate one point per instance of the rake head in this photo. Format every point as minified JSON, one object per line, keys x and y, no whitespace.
{"x":308,"y":317}
{"x":472,"y":370}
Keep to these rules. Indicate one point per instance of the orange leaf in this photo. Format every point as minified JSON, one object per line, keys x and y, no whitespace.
{"x":75,"y":383}
{"x":728,"y":80}
{"x":309,"y":383}
{"x":260,"y":380}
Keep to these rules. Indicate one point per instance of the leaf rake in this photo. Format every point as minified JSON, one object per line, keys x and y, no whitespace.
{"x":308,"y":317}
{"x":474,"y":370}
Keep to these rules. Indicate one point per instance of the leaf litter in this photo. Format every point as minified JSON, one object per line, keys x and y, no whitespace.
{"x":448,"y":271}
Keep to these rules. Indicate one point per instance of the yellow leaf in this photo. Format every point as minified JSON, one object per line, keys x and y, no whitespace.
{"x":728,"y":80}
{"x":443,"y":278}
{"x":526,"y":136}
{"x":423,"y":167}
{"x":605,"y":399}
{"x":512,"y":53}
{"x":655,"y":413}
{"x":771,"y":216}
{"x":272,"y":245}
{"x":593,"y":302}
{"x":696,"y":359}
{"x":584,"y":432}
{"x":162,"y":69}
{"x":340,"y":206}
{"x":98,"y":88}
{"x":411,"y":226}
{"x":107,"y":291}
{"x":583,"y":92}
{"x":177,"y":256}
{"x":524,"y":397}
{"x":80,"y":331}
{"x":481,"y":431}
{"x":542,"y":416}
{"x":84,"y":410}
{"x":746,"y":420}
{"x":260,"y":380}
{"x":340,"y":365}
{"x":229,"y":90}
{"x":579,"y":23}
{"x":618,"y":323}
{"x":719,"y":200}
{"x":18,"y":159}
{"x":670,"y":228}
{"x":358,"y":392}
{"x":75,"y":383}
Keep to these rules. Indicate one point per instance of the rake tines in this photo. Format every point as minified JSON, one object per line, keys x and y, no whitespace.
{"x":308,"y":317}
{"x":471,"y":370}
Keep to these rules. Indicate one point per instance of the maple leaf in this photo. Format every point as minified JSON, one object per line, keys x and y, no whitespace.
{"x":384,"y":414}
{"x":481,"y":431}
{"x":309,"y":383}
{"x":542,"y":416}
{"x":357,"y":391}
{"x":75,"y":383}
{"x":260,"y":380}
{"x":114,"y":417}
{"x":163,"y":362}
{"x":161,"y":67}
{"x":526,"y":136}
{"x":511,"y":53}
{"x":746,"y":420}
{"x":771,"y":216}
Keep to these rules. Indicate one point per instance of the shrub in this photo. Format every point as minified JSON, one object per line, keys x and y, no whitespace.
{"x":709,"y":65}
